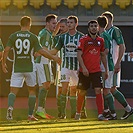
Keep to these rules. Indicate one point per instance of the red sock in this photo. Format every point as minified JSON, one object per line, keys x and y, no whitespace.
{"x":80,"y":101}
{"x":100,"y":103}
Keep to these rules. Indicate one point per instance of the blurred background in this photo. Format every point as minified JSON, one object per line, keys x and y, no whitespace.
{"x":12,"y":10}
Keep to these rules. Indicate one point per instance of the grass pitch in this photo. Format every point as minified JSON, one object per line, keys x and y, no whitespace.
{"x":89,"y":125}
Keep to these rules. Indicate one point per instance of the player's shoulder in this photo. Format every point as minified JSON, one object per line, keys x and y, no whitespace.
{"x":42,"y":32}
{"x":99,"y":38}
{"x":32,"y":34}
{"x":116,"y":29}
{"x":84,"y":37}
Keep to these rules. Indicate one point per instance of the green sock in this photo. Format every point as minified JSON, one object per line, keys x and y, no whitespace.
{"x":63,"y":104}
{"x":45,"y":96}
{"x":41,"y":97}
{"x":11,"y":99}
{"x":31,"y":103}
{"x":59,"y":104}
{"x":120,"y":98}
{"x":105,"y":104}
{"x":73,"y":105}
{"x":110,"y":100}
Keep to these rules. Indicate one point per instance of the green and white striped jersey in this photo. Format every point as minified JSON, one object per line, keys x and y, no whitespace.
{"x":117,"y":39}
{"x":1,"y":46}
{"x":69,"y":44}
{"x":24,"y":43}
{"x":46,"y":40}
{"x":108,"y":45}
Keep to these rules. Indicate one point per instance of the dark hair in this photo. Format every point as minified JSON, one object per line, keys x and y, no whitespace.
{"x":73,"y":17}
{"x":102,"y":21}
{"x":49,"y":17}
{"x":25,"y":21}
{"x":63,"y":20}
{"x":108,"y":14}
{"x":91,"y":22}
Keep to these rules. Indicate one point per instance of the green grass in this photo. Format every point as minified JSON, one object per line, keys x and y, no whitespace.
{"x":89,"y":125}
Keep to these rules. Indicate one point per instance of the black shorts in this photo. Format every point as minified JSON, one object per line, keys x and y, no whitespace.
{"x":94,"y":78}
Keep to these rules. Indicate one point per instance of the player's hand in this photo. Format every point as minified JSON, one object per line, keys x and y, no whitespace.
{"x":4,"y":68}
{"x":36,"y":54}
{"x":117,"y":67}
{"x":131,"y":54}
{"x":85,"y":72}
{"x":57,"y":59}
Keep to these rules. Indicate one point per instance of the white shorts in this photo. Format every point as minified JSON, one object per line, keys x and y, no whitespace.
{"x":17,"y":79}
{"x":70,"y":76}
{"x":112,"y":80}
{"x":44,"y":73}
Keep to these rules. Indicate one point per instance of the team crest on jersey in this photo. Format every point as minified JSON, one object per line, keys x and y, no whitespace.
{"x":98,"y":43}
{"x":71,"y":46}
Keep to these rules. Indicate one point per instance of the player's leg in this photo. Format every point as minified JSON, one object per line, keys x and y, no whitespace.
{"x":83,"y":85}
{"x":108,"y":98}
{"x":120,"y":97}
{"x":44,"y":81}
{"x":59,"y":101}
{"x":16,"y":83}
{"x":72,"y":98}
{"x":96,"y":79}
{"x":83,"y":111}
{"x":31,"y":103}
{"x":63,"y":99}
{"x":73,"y":91}
{"x":59,"y":91}
{"x":30,"y":79}
{"x":65,"y":79}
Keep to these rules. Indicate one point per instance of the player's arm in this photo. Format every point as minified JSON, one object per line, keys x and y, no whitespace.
{"x":53,"y":51}
{"x":121,"y":53}
{"x":1,"y":50}
{"x":104,"y":61}
{"x":81,"y":62}
{"x":5,"y":54}
{"x":47,"y":54}
{"x":120,"y":42}
{"x":1,"y":55}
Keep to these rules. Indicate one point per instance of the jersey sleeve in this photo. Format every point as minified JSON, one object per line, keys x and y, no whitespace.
{"x":37,"y":44}
{"x":81,"y":46}
{"x":117,"y":36}
{"x":106,"y":42}
{"x":59,"y":43}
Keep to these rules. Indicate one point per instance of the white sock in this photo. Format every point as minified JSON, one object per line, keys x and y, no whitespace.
{"x":40,"y":109}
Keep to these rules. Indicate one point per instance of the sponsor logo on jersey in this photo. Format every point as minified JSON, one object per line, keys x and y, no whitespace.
{"x":71,"y":47}
{"x":94,"y":51}
{"x":90,"y":42}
